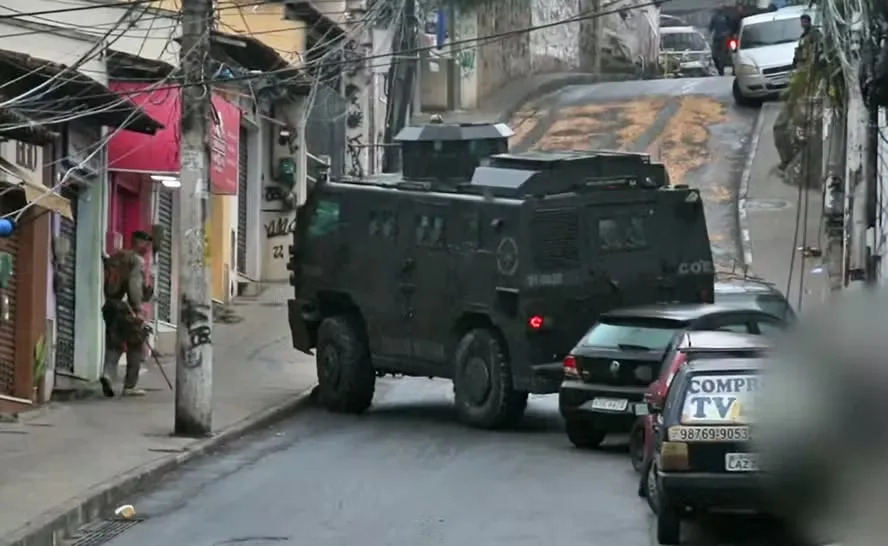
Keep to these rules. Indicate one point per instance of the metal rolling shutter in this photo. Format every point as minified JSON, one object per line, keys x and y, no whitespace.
{"x":7,"y":329}
{"x":164,"y":281}
{"x":242,"y":203}
{"x":65,"y":290}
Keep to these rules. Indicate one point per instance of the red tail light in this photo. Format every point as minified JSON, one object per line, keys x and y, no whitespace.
{"x":732,"y":44}
{"x":535,"y":322}
{"x":569,"y":365}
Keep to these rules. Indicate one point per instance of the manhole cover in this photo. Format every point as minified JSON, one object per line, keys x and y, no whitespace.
{"x":101,"y":532}
{"x":766,"y":204}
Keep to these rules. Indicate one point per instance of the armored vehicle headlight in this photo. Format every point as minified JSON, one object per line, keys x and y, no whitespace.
{"x":692,"y":197}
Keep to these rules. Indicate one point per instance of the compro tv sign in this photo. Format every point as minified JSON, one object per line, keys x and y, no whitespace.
{"x":720,"y":399}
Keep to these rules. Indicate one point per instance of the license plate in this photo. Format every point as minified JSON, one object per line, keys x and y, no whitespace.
{"x":708,"y":434}
{"x":741,"y":462}
{"x":609,"y":404}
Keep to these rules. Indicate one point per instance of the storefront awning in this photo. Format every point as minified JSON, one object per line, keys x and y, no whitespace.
{"x":70,"y":92}
{"x":36,"y":192}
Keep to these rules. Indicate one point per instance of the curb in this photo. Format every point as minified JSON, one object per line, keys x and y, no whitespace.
{"x":742,"y":210}
{"x":504,"y":114}
{"x":556,"y":84}
{"x":57,"y":524}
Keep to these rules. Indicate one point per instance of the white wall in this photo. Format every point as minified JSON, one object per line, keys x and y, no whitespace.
{"x":258,"y":165}
{"x":60,"y":49}
{"x":278,"y":218}
{"x":142,"y":37}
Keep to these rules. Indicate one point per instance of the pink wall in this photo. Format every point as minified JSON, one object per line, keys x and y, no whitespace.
{"x":129,"y":210}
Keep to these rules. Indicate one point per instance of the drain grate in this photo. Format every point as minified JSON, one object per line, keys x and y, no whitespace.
{"x":101,"y":531}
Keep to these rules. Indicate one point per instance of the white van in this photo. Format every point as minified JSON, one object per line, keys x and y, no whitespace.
{"x":764,"y":52}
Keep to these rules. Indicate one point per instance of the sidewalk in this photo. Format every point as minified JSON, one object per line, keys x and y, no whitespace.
{"x":769,"y":223}
{"x":63,"y":453}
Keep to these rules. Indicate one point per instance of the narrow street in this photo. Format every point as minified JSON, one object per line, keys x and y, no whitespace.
{"x":691,"y":125}
{"x":406,"y":473}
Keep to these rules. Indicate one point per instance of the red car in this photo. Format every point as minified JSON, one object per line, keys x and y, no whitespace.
{"x":689,"y":346}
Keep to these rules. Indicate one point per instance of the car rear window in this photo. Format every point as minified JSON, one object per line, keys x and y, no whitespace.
{"x":681,"y":41}
{"x":641,"y":334}
{"x":720,"y":399}
{"x":769,"y":303}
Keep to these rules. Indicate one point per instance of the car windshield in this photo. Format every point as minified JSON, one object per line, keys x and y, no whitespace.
{"x":684,"y":41}
{"x":632,"y":334}
{"x":781,"y":31}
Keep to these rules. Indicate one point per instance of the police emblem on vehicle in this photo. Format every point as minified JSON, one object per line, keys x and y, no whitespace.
{"x":507,"y":256}
{"x":614,"y":368}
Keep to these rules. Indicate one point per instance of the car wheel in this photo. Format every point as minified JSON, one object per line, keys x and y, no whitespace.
{"x":583,"y":434}
{"x":636,"y":446}
{"x":346,"y":379}
{"x":669,"y":526}
{"x":652,"y":490}
{"x":741,"y":99}
{"x":482,"y":385}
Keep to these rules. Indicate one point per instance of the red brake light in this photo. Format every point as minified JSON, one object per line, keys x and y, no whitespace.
{"x":569,"y":365}
{"x":732,"y":43}
{"x":535,"y":322}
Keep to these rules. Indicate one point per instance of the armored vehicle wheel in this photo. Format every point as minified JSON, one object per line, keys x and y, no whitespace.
{"x":582,"y":435}
{"x":482,"y":383}
{"x":346,"y":379}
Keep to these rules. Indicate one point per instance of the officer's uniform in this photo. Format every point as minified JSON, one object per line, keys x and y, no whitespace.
{"x":795,"y":111}
{"x":125,"y":292}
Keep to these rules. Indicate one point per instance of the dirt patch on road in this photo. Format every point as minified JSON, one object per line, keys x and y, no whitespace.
{"x":606,"y":126}
{"x":523,"y":122}
{"x":683,"y":146}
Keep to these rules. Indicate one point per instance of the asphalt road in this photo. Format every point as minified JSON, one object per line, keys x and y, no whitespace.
{"x":692,"y":125}
{"x":406,"y":474}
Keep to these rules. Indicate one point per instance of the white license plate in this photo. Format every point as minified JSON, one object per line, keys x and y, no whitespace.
{"x":741,"y":462}
{"x":609,"y":404}
{"x":708,"y":434}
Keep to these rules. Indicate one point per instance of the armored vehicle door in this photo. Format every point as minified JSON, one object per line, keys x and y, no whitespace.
{"x":623,"y":239}
{"x":427,"y":280}
{"x":382,"y":271}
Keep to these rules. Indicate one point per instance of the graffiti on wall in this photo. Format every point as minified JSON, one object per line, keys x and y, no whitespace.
{"x":357,"y":79}
{"x":465,"y":60}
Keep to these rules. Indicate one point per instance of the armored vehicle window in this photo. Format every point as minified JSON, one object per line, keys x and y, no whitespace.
{"x":325,"y":220}
{"x":430,"y":230}
{"x":555,"y":243}
{"x":622,"y":234}
{"x":383,"y":224}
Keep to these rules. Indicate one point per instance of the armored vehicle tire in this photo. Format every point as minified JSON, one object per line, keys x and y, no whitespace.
{"x":482,"y":382}
{"x":582,"y":435}
{"x":346,"y":379}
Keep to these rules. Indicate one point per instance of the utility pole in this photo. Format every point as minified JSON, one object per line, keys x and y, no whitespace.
{"x":194,"y":355}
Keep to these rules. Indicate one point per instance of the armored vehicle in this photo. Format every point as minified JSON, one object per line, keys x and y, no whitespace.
{"x":483,"y":267}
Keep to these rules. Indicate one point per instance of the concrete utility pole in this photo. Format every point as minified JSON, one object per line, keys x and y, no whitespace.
{"x":194,"y":355}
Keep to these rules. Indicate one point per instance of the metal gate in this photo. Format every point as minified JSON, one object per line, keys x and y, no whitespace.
{"x":7,"y":329}
{"x":164,"y":256}
{"x":65,"y":289}
{"x":242,"y":203}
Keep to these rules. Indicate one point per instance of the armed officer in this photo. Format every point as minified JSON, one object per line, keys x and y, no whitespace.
{"x":126,"y":290}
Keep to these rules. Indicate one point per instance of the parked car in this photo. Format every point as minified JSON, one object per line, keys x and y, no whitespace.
{"x":704,"y":461}
{"x":752,"y":293}
{"x":685,"y":53}
{"x":689,"y":347}
{"x":764,"y":54}
{"x":607,"y":373}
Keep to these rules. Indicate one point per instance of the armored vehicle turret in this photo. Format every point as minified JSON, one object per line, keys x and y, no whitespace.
{"x":484,"y":267}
